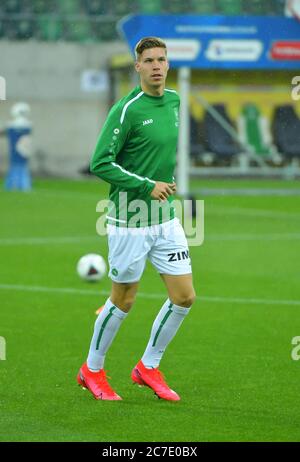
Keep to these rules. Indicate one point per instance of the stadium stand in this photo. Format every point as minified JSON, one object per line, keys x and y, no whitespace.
{"x":44,"y":6}
{"x":49,"y":28}
{"x":24,"y":29}
{"x":1,"y":28}
{"x":230,"y":7}
{"x":203,"y":6}
{"x":175,"y":7}
{"x":104,"y":30}
{"x":256,"y":7}
{"x":10,"y":29}
{"x":216,"y":138}
{"x":11,"y":6}
{"x":25,"y":19}
{"x":286,"y":131}
{"x":79,"y":30}
{"x":94,"y":7}
{"x":151,"y":6}
{"x":123,"y":7}
{"x":70,"y":7}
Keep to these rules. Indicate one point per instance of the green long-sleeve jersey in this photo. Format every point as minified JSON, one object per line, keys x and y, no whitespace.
{"x":136,"y":147}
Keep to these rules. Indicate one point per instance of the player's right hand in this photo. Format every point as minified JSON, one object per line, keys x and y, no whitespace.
{"x":163,"y":190}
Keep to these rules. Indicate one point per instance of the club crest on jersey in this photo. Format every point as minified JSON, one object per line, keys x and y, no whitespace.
{"x":148,"y":121}
{"x":176,"y":117}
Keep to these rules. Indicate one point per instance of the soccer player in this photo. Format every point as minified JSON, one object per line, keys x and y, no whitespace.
{"x":136,"y":154}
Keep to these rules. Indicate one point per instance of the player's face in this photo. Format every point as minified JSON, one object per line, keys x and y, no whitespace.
{"x":153,"y":67}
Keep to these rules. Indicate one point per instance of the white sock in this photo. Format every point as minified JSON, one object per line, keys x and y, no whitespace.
{"x":163,"y":330}
{"x":106,"y":326}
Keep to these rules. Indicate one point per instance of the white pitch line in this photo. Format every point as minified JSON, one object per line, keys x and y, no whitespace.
{"x":73,"y":291}
{"x":208,"y":237}
{"x":243,"y":211}
{"x":253,"y":237}
{"x":69,"y":194}
{"x":46,"y":240}
{"x":210,"y":209}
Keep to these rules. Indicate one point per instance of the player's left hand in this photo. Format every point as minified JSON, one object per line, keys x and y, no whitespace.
{"x":173,"y":186}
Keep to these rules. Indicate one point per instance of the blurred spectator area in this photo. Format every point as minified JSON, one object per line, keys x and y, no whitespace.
{"x":276,"y":140}
{"x":95,"y":20}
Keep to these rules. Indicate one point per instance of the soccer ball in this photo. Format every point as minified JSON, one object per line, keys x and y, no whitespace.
{"x":91,"y":267}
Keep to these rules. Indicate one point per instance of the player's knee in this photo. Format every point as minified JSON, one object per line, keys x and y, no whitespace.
{"x":127,"y":303}
{"x":124,"y":303}
{"x":185,"y":300}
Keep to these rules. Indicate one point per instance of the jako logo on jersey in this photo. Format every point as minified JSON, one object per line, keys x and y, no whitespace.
{"x":148,"y":121}
{"x":176,"y":256}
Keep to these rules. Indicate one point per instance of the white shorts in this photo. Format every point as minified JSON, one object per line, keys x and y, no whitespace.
{"x":129,"y":248}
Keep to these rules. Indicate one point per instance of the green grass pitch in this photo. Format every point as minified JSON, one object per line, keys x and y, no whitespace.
{"x":230,"y":361}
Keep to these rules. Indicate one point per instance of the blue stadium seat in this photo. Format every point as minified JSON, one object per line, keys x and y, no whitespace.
{"x":216,"y":138}
{"x":286,"y":131}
